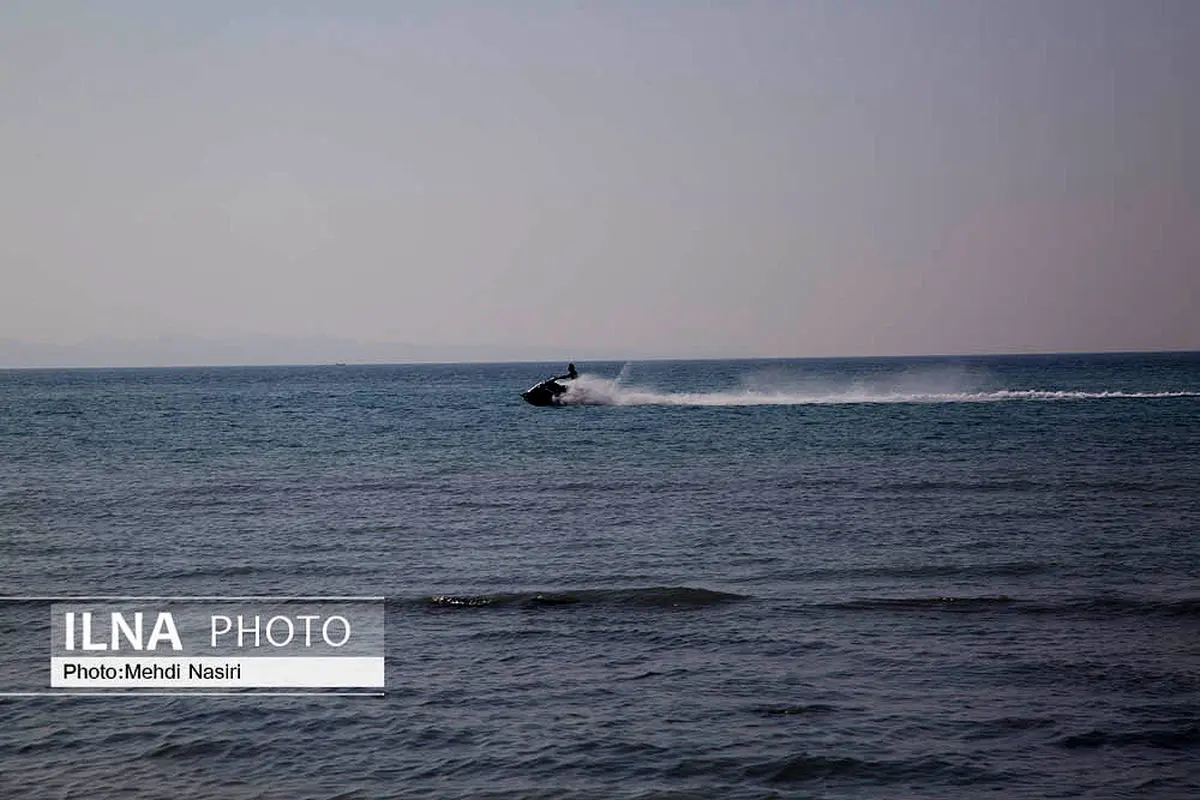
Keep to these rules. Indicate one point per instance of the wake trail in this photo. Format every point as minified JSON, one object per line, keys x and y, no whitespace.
{"x":592,"y":390}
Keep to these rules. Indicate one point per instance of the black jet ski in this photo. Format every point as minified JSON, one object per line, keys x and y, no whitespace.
{"x":546,"y":393}
{"x":549,"y":392}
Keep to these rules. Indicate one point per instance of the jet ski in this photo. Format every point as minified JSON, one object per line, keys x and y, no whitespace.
{"x":549,"y":392}
{"x":546,"y":393}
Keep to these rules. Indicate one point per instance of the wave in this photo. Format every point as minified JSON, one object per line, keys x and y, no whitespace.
{"x":590,"y":390}
{"x":1187,"y":607}
{"x":666,"y":597}
{"x":1002,"y":569}
{"x":923,"y":603}
{"x":812,"y":767}
{"x":195,"y":748}
{"x":684,"y":597}
{"x":1185,"y":736}
{"x":790,"y":711}
{"x":1086,"y":606}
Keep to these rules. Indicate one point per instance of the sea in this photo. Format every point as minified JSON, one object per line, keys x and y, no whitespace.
{"x":942,"y":577}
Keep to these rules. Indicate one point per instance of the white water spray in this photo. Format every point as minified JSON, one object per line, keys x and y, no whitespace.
{"x":768,"y":390}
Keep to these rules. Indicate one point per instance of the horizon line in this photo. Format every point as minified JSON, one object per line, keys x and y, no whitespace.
{"x":482,"y":362}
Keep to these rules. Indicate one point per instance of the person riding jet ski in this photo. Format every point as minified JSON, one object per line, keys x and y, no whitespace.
{"x":549,"y":392}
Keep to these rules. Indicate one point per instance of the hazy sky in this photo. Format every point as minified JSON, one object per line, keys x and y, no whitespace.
{"x":671,"y":178}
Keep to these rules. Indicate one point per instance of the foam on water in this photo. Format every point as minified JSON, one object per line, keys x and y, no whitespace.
{"x":598,"y":391}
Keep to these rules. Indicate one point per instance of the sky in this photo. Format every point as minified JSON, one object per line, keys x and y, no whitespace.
{"x":228,"y":182}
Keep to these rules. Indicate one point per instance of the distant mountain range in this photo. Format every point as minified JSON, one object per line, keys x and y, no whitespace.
{"x":172,"y":351}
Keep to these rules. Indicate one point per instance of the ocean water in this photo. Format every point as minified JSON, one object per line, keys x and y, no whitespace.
{"x":918,"y":578}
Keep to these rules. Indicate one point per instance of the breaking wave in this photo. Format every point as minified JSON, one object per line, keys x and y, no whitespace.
{"x":591,"y":390}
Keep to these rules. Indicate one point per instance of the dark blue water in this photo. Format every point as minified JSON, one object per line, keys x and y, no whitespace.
{"x":923,"y":578}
